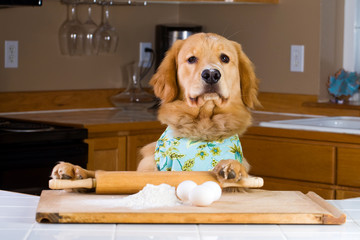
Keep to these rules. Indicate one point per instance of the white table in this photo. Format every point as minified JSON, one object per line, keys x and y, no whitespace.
{"x":17,"y":221}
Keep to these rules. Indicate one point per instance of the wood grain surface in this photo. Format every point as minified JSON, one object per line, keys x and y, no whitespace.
{"x":253,"y":207}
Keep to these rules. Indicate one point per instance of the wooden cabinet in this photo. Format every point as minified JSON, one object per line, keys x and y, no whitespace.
{"x":107,"y":153}
{"x":119,"y":153}
{"x":328,"y":168}
{"x":323,"y":190}
{"x":289,"y":164}
{"x":305,"y":161}
{"x":135,"y":143}
{"x":273,"y":157}
{"x":348,"y":176}
{"x":344,"y":194}
{"x":348,"y":166}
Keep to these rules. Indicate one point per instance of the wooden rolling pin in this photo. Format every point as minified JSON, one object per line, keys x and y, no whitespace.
{"x":129,"y":182}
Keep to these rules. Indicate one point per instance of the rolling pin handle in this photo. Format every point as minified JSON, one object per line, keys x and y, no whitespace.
{"x":249,"y":182}
{"x":88,"y":183}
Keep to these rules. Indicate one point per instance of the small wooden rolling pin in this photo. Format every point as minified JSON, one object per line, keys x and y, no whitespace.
{"x":129,"y":182}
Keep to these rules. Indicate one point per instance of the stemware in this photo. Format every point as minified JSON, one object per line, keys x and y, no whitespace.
{"x":89,"y":27}
{"x":63,"y":42}
{"x":71,"y":34}
{"x":106,"y":36}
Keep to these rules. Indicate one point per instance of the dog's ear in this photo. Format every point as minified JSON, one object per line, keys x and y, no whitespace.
{"x":164,"y":80}
{"x":248,"y":80}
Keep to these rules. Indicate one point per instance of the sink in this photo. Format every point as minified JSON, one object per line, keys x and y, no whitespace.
{"x":350,"y":125}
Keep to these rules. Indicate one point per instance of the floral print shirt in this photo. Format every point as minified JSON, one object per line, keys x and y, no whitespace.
{"x":183,"y":154}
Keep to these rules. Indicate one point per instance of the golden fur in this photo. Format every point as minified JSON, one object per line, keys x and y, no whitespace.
{"x":196,"y":109}
{"x":193,"y":109}
{"x":64,"y":170}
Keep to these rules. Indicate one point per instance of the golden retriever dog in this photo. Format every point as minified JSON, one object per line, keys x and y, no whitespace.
{"x":207,"y":87}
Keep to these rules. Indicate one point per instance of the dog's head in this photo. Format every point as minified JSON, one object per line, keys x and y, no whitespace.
{"x":206,"y":67}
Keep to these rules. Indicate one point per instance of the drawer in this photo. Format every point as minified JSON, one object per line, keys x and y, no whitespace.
{"x":348,"y":173}
{"x":290,"y":160}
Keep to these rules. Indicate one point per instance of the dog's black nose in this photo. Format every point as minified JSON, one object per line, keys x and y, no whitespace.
{"x":211,"y":76}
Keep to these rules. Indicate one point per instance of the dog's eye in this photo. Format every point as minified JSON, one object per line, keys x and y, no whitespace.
{"x":224,"y":58}
{"x":192,"y":59}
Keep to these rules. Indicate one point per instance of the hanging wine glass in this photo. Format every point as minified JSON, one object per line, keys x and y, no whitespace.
{"x":71,"y":34}
{"x":63,"y":38}
{"x":89,"y":27}
{"x":106,"y":36}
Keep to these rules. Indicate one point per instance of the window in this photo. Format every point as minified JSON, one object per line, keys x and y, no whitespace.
{"x":357,"y":37}
{"x":351,"y":55}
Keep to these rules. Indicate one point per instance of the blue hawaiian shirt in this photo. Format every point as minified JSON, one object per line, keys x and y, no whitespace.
{"x":183,"y":154}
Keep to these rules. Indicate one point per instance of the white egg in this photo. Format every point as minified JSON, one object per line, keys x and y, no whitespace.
{"x":184,"y":188}
{"x":201,"y":196}
{"x":215,"y":189}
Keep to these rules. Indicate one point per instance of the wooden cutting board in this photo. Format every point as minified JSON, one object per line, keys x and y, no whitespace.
{"x":257,"y":206}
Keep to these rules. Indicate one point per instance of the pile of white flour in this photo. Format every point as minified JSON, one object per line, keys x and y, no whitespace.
{"x":151,"y":196}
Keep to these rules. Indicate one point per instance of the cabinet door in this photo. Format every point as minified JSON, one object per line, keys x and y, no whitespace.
{"x":344,"y":194}
{"x":107,"y":154}
{"x":323,"y":190}
{"x":273,"y":157}
{"x":348,"y":167}
{"x":135,"y":143}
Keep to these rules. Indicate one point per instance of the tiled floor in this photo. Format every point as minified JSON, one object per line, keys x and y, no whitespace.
{"x":17,"y":221}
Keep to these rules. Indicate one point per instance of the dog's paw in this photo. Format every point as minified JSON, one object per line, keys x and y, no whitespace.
{"x":230,"y":171}
{"x":69,"y":171}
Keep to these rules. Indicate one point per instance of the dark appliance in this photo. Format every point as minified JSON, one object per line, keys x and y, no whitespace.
{"x":29,"y":151}
{"x":21,"y":2}
{"x":167,"y":34}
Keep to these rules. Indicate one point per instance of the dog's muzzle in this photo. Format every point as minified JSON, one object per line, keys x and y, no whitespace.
{"x":211,"y":76}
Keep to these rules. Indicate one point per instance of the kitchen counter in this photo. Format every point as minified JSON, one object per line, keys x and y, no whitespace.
{"x":106,"y":119}
{"x":115,"y":119}
{"x":100,"y":116}
{"x":17,"y":221}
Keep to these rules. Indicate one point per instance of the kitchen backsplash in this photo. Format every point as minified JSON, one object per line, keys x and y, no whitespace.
{"x":265,"y":31}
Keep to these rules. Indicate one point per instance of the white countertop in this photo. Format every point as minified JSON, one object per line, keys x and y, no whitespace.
{"x":17,"y":221}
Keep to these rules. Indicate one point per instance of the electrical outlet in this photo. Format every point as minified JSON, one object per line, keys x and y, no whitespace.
{"x":11,"y":54}
{"x":297,"y":58}
{"x":145,"y":57}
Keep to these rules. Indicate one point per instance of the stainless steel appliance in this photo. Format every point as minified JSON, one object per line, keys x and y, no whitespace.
{"x":29,"y":151}
{"x":167,"y":34}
